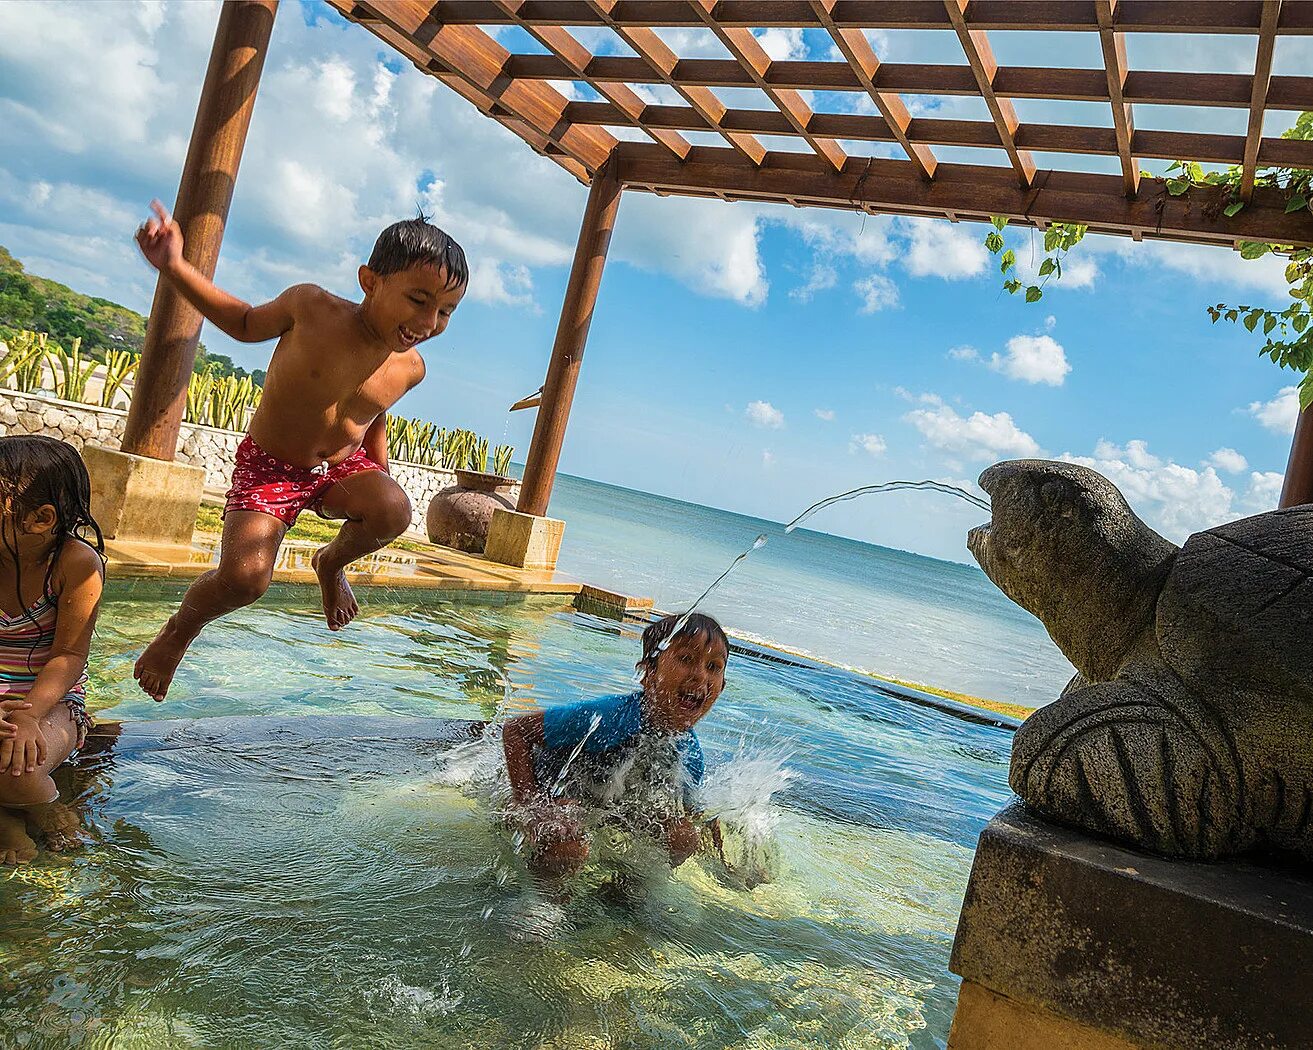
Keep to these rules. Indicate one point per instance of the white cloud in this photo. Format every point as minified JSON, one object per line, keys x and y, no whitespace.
{"x":938,"y":248}
{"x":1174,"y":499}
{"x":1229,"y":460}
{"x":871,"y":444}
{"x":781,"y":44}
{"x":823,"y":277}
{"x":767,"y":458}
{"x":1214,"y":265}
{"x":1033,"y":359}
{"x":964,"y":353}
{"x":1050,"y":323}
{"x":1281,"y":413}
{"x":826,"y":414}
{"x":978,"y":436}
{"x":876,"y":292}
{"x":764,"y":414}
{"x":1264,"y":491}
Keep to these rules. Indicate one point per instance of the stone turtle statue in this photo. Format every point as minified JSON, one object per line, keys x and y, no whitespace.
{"x":1188,"y":729}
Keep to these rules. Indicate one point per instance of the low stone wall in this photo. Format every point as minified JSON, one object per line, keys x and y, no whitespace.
{"x":198,"y":445}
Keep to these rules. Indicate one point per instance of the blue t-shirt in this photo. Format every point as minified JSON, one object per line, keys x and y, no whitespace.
{"x":608,"y":727}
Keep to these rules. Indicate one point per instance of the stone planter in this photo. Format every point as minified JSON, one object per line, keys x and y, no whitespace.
{"x":460,"y":514}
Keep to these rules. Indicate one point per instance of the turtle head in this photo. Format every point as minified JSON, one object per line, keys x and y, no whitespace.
{"x":1064,"y":545}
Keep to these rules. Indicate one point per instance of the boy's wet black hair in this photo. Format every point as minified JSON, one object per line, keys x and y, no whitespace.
{"x":417,"y":242}
{"x":36,"y":470}
{"x":698,"y":625}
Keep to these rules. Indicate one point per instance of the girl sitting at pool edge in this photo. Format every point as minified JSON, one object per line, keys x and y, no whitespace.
{"x":51,"y":577}
{"x":590,"y":747}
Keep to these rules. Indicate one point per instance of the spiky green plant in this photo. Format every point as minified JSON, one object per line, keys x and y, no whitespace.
{"x":501,"y":459}
{"x":119,"y":368}
{"x":478,"y":454}
{"x":24,"y":365}
{"x":198,"y":396}
{"x":74,"y":372}
{"x":231,"y":401}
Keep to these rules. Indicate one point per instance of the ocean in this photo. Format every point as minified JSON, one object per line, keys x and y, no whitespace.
{"x":856,"y":604}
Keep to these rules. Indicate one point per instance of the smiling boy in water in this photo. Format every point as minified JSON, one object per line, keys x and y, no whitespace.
{"x":318,"y":439}
{"x":606,"y":751}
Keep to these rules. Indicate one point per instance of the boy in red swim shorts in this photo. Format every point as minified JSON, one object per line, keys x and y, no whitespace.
{"x":318,"y":439}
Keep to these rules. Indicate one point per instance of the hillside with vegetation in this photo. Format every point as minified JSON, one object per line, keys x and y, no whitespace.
{"x":32,"y":303}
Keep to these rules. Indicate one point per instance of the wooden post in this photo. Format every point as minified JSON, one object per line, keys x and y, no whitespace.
{"x":571,"y":335}
{"x":241,"y":41}
{"x":1298,"y":487}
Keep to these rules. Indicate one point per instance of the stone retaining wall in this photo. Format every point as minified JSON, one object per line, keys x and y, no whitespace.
{"x":198,"y":445}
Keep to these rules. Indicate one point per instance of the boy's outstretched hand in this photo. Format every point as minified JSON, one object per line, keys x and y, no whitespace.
{"x":160,"y":238}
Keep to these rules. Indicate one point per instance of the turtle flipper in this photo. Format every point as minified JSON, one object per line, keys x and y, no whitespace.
{"x":1114,"y":759}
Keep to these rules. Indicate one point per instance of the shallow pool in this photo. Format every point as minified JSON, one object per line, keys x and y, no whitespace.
{"x":330,"y":886}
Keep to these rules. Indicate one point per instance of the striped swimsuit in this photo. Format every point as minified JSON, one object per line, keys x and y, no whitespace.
{"x":25,"y":644}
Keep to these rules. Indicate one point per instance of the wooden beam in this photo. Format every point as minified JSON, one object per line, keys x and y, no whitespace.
{"x":861,"y":58}
{"x":564,"y":46}
{"x":661,"y":60}
{"x":980,"y":57}
{"x":1267,"y":38}
{"x":743,"y":45}
{"x":209,"y":176}
{"x":1051,"y":138}
{"x":571,"y":337}
{"x":1297,"y":489}
{"x":469,"y":53}
{"x":973,"y":192}
{"x":1115,"y":68}
{"x":1134,"y":16}
{"x":1232,"y":90}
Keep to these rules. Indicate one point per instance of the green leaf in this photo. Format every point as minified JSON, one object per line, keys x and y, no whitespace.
{"x":1251,"y":318}
{"x":1034,"y":293}
{"x":1046,"y":267}
{"x":1013,"y":286}
{"x":1214,"y":313}
{"x":1306,"y":391}
{"x":1299,"y":322}
{"x":1296,"y":202}
{"x":994,"y":242}
{"x":1269,"y":322}
{"x":1008,"y":261}
{"x":1254,"y":249}
{"x":1051,"y":238}
{"x":999,"y":222}
{"x":1176,"y":187}
{"x":1231,"y":315}
{"x":1232,"y":209}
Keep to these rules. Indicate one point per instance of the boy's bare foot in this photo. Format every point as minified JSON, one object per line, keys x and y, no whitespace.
{"x":155,"y":667}
{"x":59,"y":824}
{"x":340,"y":606}
{"x":16,"y":845}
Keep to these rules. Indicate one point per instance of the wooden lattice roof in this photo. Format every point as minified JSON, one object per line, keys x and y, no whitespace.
{"x":658,"y":147}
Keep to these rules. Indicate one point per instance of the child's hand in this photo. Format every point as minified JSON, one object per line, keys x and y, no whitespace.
{"x":25,"y":750}
{"x":160,"y":238}
{"x":7,"y":728}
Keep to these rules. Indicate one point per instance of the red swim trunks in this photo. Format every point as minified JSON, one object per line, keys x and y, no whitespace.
{"x":270,"y":486}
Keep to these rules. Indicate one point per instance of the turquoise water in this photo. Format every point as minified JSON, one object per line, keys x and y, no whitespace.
{"x":856,"y":604}
{"x":333,"y":888}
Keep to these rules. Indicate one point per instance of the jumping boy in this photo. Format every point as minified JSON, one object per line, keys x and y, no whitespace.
{"x":318,"y":439}
{"x":631,"y":752}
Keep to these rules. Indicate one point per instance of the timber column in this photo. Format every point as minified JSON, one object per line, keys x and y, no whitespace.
{"x":1298,"y":486}
{"x":525,"y":537}
{"x":139,"y":493}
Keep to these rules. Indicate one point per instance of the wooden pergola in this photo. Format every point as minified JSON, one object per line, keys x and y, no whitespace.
{"x":790,"y":149}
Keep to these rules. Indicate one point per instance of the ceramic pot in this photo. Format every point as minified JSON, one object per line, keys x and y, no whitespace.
{"x":459,"y":515}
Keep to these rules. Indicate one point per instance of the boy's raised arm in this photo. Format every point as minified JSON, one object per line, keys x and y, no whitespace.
{"x":160,"y":241}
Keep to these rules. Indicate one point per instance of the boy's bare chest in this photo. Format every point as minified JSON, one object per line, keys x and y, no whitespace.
{"x":350,"y":378}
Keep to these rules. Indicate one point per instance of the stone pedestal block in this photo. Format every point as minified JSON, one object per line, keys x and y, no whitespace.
{"x":1070,"y":941}
{"x":139,"y":498}
{"x":524,"y":540}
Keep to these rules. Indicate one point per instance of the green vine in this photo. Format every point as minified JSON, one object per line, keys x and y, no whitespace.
{"x":1288,"y":332}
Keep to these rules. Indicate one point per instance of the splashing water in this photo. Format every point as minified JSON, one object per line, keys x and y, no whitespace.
{"x":760,"y":541}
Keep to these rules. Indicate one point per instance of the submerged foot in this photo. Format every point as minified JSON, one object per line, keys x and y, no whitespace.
{"x":340,"y":606}
{"x":155,"y":667}
{"x":16,"y":845}
{"x":59,"y":824}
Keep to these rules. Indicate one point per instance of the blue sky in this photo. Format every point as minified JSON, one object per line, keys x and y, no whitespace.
{"x":748,"y":357}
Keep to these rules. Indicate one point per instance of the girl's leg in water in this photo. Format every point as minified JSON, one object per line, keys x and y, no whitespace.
{"x":34,"y":798}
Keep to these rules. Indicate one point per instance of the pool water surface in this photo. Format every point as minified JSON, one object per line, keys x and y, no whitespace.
{"x":337,"y":886}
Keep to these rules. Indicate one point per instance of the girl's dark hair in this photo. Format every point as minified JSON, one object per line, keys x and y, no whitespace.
{"x":417,"y":242}
{"x":698,"y":625}
{"x":34,"y":471}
